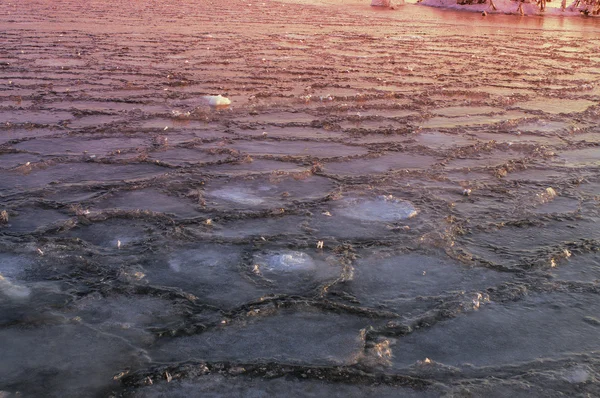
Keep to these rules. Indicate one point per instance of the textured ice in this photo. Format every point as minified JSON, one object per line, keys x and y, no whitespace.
{"x":323,"y":150}
{"x":580,"y":157}
{"x":383,"y":164}
{"x":382,"y":208}
{"x":558,"y":205}
{"x":11,"y":160}
{"x":148,"y":199}
{"x":465,"y":111}
{"x":186,"y":157}
{"x":287,"y":261}
{"x":65,"y":360}
{"x":265,"y":193}
{"x":260,"y":166}
{"x":214,"y":273}
{"x":78,"y":145}
{"x":391,"y":280}
{"x":217,"y":386}
{"x":443,"y":122}
{"x":126,"y":316}
{"x":243,"y":196}
{"x":109,"y":233}
{"x":77,"y":173}
{"x":580,"y":267}
{"x":305,"y":336}
{"x":258,"y":227}
{"x":536,"y":327}
{"x":509,"y":245}
{"x":437,"y":140}
{"x":293,"y":271}
{"x":555,"y":105}
{"x":31,"y":219}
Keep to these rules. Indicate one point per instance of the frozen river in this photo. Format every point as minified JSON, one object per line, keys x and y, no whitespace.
{"x":396,"y":203}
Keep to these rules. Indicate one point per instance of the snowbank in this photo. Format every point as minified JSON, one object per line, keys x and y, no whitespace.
{"x":512,"y":7}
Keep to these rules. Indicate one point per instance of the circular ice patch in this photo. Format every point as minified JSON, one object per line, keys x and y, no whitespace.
{"x":242,"y":196}
{"x":287,"y":261}
{"x":383,"y":208}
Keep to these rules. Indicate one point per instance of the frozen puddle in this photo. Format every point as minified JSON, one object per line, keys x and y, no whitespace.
{"x":113,"y":233}
{"x":266,"y":193}
{"x":382,"y":164}
{"x":294,"y":272}
{"x":380,"y":209}
{"x":555,"y":105}
{"x":395,"y":280}
{"x":148,"y":199}
{"x":212,"y":272}
{"x":539,"y":326}
{"x":363,"y":217}
{"x":302,"y":336}
{"x":126,"y":316}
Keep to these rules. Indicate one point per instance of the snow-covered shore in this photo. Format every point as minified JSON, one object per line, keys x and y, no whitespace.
{"x":512,"y":7}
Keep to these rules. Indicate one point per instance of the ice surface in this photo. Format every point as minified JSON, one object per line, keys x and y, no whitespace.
{"x":583,"y":267}
{"x":129,"y":317}
{"x":186,"y":157}
{"x":556,"y":106}
{"x":382,"y":208}
{"x":28,"y":220}
{"x":77,"y":173}
{"x":214,"y":273}
{"x":266,"y":193}
{"x":383,"y":164}
{"x":215,"y":386}
{"x":11,"y":160}
{"x":393,"y":280}
{"x":293,"y":271}
{"x":322,"y":150}
{"x":148,"y":199}
{"x":77,"y":145}
{"x":305,"y":336}
{"x":64,"y":360}
{"x":443,"y":122}
{"x":538,"y":326}
{"x":580,"y":157}
{"x":254,"y":167}
{"x":109,"y":233}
